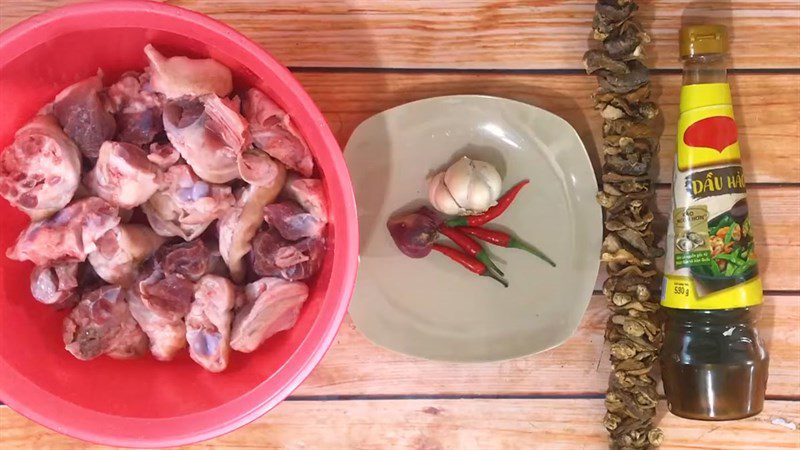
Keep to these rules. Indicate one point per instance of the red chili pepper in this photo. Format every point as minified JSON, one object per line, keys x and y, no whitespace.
{"x":469,"y":262}
{"x":505,"y":240}
{"x":470,"y":246}
{"x":492,"y":213}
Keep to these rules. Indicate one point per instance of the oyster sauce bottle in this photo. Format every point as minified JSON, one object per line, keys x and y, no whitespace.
{"x":713,"y":361}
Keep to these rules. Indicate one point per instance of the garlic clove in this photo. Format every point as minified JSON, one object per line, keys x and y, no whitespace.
{"x":440,"y":197}
{"x":491,"y":177}
{"x":479,"y":199}
{"x":457,"y":179}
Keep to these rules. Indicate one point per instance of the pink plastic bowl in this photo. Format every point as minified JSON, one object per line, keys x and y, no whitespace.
{"x":144,"y":403}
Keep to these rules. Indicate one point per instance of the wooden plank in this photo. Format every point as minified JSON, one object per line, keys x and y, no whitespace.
{"x":486,"y":34}
{"x":561,"y":424}
{"x":580,"y":366}
{"x":768,"y":125}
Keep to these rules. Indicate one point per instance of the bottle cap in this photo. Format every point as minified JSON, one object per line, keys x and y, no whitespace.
{"x":703,"y":40}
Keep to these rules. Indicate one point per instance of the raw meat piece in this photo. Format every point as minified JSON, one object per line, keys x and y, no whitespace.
{"x":208,"y":324}
{"x":167,"y":335}
{"x":191,"y":260}
{"x":239,"y":224}
{"x":168,"y":295}
{"x":82,"y":113}
{"x":41,"y":170}
{"x":271,"y":306}
{"x":256,"y":167}
{"x":121,"y":250}
{"x":273,"y":132}
{"x":123,"y":175}
{"x":209,"y":135}
{"x":56,"y":285}
{"x":178,"y":76}
{"x":68,"y":236}
{"x":102,"y":324}
{"x":137,"y":109}
{"x":292,"y":222}
{"x":163,"y":155}
{"x":309,"y":193}
{"x":273,"y":256}
{"x":185,"y":206}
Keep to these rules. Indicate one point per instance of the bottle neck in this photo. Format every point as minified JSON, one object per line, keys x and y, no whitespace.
{"x":703,"y":69}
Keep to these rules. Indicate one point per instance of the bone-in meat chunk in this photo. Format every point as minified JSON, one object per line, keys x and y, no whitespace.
{"x":68,"y":236}
{"x":209,"y":133}
{"x":137,"y":108}
{"x":40,"y":171}
{"x":167,"y":334}
{"x":274,"y":256}
{"x":186,"y":205}
{"x":191,"y":260}
{"x":208,"y":324}
{"x":102,"y":324}
{"x":178,"y":76}
{"x":271,"y":305}
{"x":56,"y":285}
{"x":83,"y":114}
{"x":292,"y":221}
{"x":257,"y":168}
{"x":123,"y":175}
{"x":163,"y":155}
{"x":273,"y":132}
{"x":310,"y":194}
{"x":238,"y":226}
{"x":121,"y":250}
{"x":168,"y":295}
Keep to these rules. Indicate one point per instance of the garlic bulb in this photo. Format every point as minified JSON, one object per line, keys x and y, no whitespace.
{"x":467,"y":187}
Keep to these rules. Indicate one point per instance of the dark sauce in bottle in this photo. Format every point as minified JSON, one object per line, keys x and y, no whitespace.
{"x":713,"y":363}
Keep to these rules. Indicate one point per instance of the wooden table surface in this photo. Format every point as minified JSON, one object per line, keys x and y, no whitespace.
{"x":359,"y":57}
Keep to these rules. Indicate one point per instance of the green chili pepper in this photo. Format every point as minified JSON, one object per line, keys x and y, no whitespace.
{"x":744,"y":268}
{"x":729,"y":234}
{"x":731,"y":259}
{"x":729,"y":269}
{"x":724,"y":222}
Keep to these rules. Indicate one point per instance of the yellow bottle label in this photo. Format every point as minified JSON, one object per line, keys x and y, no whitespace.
{"x":707,"y":133}
{"x":711,"y":259}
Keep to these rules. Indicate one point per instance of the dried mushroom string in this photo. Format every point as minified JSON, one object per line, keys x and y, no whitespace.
{"x":630,"y":143}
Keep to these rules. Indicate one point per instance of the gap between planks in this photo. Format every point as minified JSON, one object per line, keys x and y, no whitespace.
{"x":388,"y":397}
{"x":468,"y":71}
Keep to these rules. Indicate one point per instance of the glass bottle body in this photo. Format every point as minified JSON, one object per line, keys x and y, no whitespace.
{"x":713,"y":361}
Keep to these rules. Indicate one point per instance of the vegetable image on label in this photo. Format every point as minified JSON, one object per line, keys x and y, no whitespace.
{"x":717,"y":132}
{"x":733,"y":257}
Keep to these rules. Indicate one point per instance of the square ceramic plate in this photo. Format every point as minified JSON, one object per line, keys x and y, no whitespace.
{"x":432,"y":307}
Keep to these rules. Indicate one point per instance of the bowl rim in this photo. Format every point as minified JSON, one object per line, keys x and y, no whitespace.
{"x":76,"y":421}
